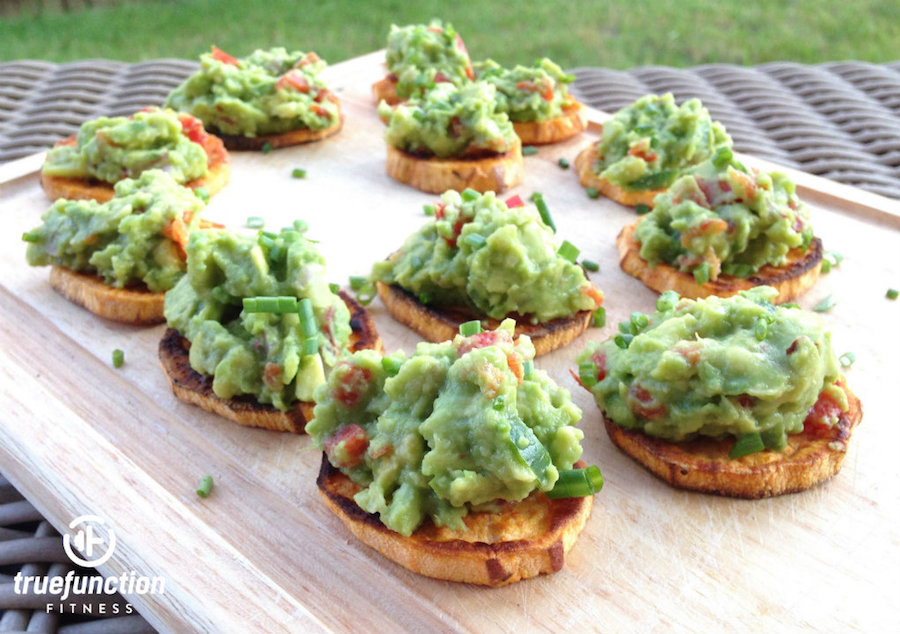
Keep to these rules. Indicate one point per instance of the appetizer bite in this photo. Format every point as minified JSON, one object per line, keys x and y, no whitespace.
{"x":721,"y":229}
{"x":536,"y":99}
{"x":109,"y":149}
{"x":646,"y":146}
{"x":269,"y":99}
{"x":418,"y":57}
{"x":457,"y":462}
{"x":452,"y":138}
{"x":733,"y":396}
{"x":481,"y":258}
{"x":254,"y":324}
{"x":117,"y":259}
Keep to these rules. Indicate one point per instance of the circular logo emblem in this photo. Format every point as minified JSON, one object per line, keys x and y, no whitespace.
{"x":89,"y":542}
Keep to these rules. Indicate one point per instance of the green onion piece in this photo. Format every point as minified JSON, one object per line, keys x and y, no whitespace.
{"x":255,"y":222}
{"x":469,"y":194}
{"x":722,"y":157}
{"x":475,"y":240}
{"x":847,"y":359}
{"x":301,"y":225}
{"x":638,"y":321}
{"x":528,"y":369}
{"x":425,"y":298}
{"x":592,"y":192}
{"x":429,"y":210}
{"x":746,"y":445}
{"x":276,"y":305}
{"x":470,"y":328}
{"x":826,"y":265}
{"x":563,"y":163}
{"x":667,"y":301}
{"x":623,"y":340}
{"x":31,"y":236}
{"x":568,"y":251}
{"x":310,"y":346}
{"x":590,"y":265}
{"x":358,"y":281}
{"x":334,"y":288}
{"x":625,"y":327}
{"x":587,"y":374}
{"x":308,"y":325}
{"x":825,"y":305}
{"x":761,"y":329}
{"x":266,"y":147}
{"x":391,"y":366}
{"x":530,"y":449}
{"x":529,"y":150}
{"x":206,"y":485}
{"x":791,"y":305}
{"x":276,"y":253}
{"x":499,"y":403}
{"x":365,"y":297}
{"x":538,"y":199}
{"x":202,"y":193}
{"x":701,"y":273}
{"x":599,"y":319}
{"x":577,"y":483}
{"x":298,"y":173}
{"x":118,"y":358}
{"x":892,"y":293}
{"x":642,"y":209}
{"x":830,"y":260}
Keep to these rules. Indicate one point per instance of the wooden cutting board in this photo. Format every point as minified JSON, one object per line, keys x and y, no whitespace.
{"x":263,"y":554}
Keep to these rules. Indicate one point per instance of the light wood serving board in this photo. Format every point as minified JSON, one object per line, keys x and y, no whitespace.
{"x":263,"y":554}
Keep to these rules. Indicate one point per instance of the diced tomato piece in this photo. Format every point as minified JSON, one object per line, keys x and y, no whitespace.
{"x":595,"y":294}
{"x":192,"y":128}
{"x":515,"y":201}
{"x":480,"y":340}
{"x":293,"y":79}
{"x":439,"y":211}
{"x":309,"y":58}
{"x":599,"y":360}
{"x":547,"y":92}
{"x":724,"y":185}
{"x":435,"y":28}
{"x":470,"y":72}
{"x":177,"y":232}
{"x":791,"y":348}
{"x":516,"y":366}
{"x":221,"y":56}
{"x":457,"y":228}
{"x":352,"y":383}
{"x":745,"y":400}
{"x":319,"y":110}
{"x":347,"y":446}
{"x":641,"y":149}
{"x":272,"y":376}
{"x":440,"y":77}
{"x":527,"y":86}
{"x":822,"y":416}
{"x":643,"y":404}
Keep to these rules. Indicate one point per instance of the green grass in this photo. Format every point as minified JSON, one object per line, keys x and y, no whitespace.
{"x":615,"y":33}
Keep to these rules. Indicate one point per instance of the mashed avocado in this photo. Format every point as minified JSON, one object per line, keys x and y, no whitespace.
{"x":651,"y":142}
{"x":450,"y":429}
{"x":536,"y":93}
{"x":128,"y":240}
{"x":450,"y":121}
{"x":714,"y":367}
{"x":479,"y":253}
{"x":420,"y":56}
{"x":725,"y":218}
{"x":256,"y":353}
{"x":268,"y":92}
{"x":112,"y":148}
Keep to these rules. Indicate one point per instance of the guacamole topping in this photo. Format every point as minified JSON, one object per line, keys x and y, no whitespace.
{"x":112,"y":148}
{"x":268,"y":92}
{"x":419,"y":56}
{"x":133,"y":238}
{"x":528,"y":93}
{"x":257,"y":353}
{"x":450,"y":121}
{"x":451,"y":429}
{"x":716,"y":367}
{"x":479,"y":253}
{"x":650,"y":143}
{"x":725,"y":218}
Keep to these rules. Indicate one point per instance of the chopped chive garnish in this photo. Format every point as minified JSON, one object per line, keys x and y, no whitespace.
{"x":428,"y":209}
{"x":538,"y":199}
{"x":255,"y":222}
{"x":825,"y":305}
{"x":358,"y":281}
{"x":425,"y":298}
{"x":760,"y":329}
{"x":298,"y":173}
{"x":499,"y":403}
{"x":892,"y":293}
{"x":266,"y":147}
{"x":563,"y":163}
{"x":528,"y":369}
{"x":206,"y":485}
{"x":642,"y":209}
{"x":623,"y":340}
{"x":529,"y":150}
{"x":365,"y":297}
{"x":391,"y":366}
{"x":826,"y":265}
{"x":625,"y":327}
{"x":475,"y":240}
{"x":568,"y":251}
{"x":592,"y":192}
{"x":830,"y":260}
{"x":276,"y":305}
{"x":308,"y":326}
{"x":31,"y":236}
{"x":577,"y":483}
{"x":587,"y":374}
{"x":667,"y":301}
{"x":202,"y":193}
{"x":301,"y":225}
{"x":599,"y":319}
{"x":847,"y":359}
{"x":722,"y":157}
{"x":791,"y":305}
{"x":638,"y":321}
{"x":590,"y":265}
{"x":470,"y":328}
{"x":746,"y":445}
{"x":118,"y":358}
{"x":310,"y":346}
{"x":469,"y":194}
{"x":701,"y":273}
{"x":334,"y":288}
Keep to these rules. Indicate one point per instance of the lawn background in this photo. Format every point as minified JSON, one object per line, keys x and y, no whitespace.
{"x":615,"y":33}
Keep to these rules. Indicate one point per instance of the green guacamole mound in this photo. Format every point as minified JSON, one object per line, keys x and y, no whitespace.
{"x":420,"y":56}
{"x":259,"y":354}
{"x":715,"y":367}
{"x":448,"y":430}
{"x":496,"y":261}
{"x":725,"y":218}
{"x":528,"y":93}
{"x":268,"y":92}
{"x":112,"y":148}
{"x":650,"y":143}
{"x":450,"y":121}
{"x":124,"y":240}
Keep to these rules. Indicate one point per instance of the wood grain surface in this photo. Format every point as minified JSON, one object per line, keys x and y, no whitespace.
{"x":262,"y":553}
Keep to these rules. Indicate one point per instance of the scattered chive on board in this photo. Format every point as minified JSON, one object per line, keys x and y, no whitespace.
{"x":118,"y":358}
{"x":590,"y":265}
{"x":206,"y":485}
{"x":892,"y":293}
{"x":592,"y":192}
{"x":255,"y":222}
{"x":563,"y":163}
{"x":266,"y":147}
{"x":825,"y":305}
{"x":298,"y":173}
{"x":529,"y":150}
{"x":847,"y":359}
